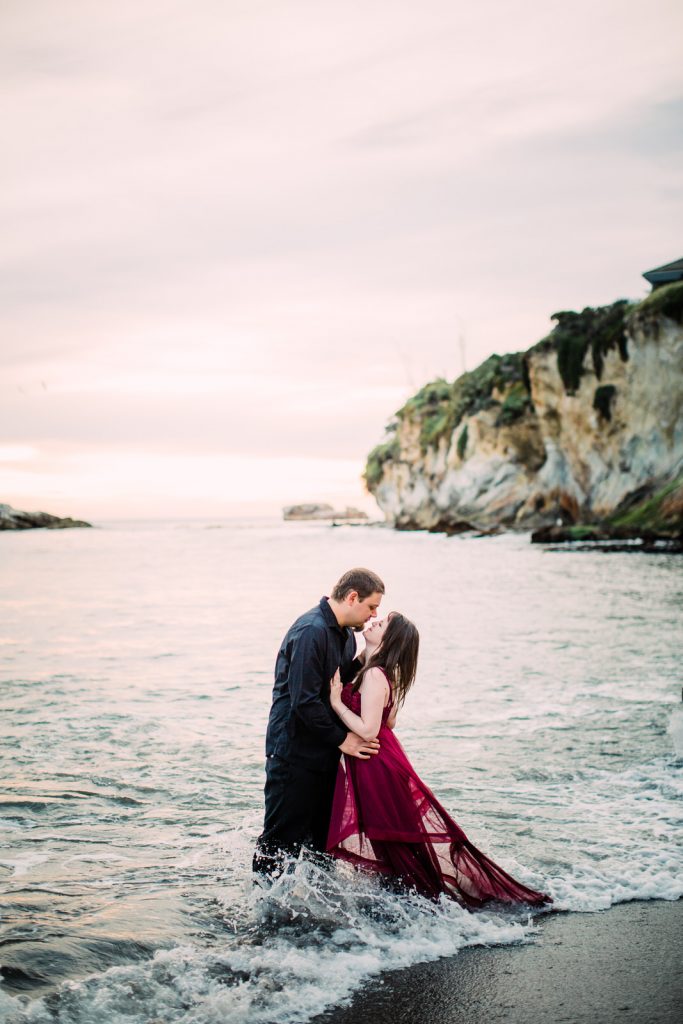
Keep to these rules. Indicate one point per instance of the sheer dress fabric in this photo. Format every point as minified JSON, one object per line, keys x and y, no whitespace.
{"x":385,"y":819}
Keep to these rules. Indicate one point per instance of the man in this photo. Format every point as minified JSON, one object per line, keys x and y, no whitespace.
{"x":305,"y":738}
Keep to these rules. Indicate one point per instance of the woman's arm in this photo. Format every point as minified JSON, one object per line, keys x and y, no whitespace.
{"x":373,"y":694}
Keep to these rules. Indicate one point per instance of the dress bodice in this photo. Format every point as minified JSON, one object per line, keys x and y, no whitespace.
{"x":352,"y":700}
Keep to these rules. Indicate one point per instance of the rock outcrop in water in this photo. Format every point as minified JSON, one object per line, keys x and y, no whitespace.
{"x":12,"y":519}
{"x":321,"y":510}
{"x":586,"y":427}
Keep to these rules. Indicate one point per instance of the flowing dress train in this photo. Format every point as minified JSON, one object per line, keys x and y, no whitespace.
{"x":384,"y":818}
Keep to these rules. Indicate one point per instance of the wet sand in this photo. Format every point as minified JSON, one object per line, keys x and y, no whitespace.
{"x":622,"y":964}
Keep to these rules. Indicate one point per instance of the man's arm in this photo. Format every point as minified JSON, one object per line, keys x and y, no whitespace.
{"x":307,"y":683}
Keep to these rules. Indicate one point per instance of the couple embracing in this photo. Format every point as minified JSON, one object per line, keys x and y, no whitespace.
{"x":370,"y":807}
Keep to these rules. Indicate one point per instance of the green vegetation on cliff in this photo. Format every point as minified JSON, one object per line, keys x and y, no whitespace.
{"x":374,"y":467}
{"x":603,"y":328}
{"x":462,"y":442}
{"x":660,"y":512}
{"x":439,"y":406}
{"x":599,"y":329}
{"x":667,"y":300}
{"x":602,"y":400}
{"x":651,"y":516}
{"x":515,"y":404}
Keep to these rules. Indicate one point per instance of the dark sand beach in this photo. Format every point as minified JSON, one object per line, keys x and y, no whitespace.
{"x":622,"y":964}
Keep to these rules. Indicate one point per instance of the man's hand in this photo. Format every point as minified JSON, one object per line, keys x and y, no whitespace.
{"x":355,"y":746}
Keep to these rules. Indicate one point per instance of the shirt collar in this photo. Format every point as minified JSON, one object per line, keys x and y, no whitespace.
{"x":329,"y":616}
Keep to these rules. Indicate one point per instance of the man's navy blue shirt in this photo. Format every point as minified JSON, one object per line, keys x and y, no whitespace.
{"x":302,"y":726}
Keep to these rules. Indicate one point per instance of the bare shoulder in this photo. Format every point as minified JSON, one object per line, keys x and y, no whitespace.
{"x":375,"y":680}
{"x":376,"y":674}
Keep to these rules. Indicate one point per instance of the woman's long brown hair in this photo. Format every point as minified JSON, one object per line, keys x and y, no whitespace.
{"x":397,"y":655}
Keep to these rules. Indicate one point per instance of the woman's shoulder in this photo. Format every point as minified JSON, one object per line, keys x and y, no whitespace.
{"x":376,"y":676}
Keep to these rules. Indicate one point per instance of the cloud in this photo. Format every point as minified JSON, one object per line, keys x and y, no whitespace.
{"x":256,"y":227}
{"x":240,"y":417}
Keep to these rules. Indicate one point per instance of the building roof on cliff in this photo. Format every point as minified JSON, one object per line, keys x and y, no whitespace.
{"x":662,"y":275}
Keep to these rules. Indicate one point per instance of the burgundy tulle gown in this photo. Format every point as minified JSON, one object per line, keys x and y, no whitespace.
{"x":385,"y":819}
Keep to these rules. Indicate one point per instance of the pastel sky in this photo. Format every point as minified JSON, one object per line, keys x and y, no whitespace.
{"x":236,"y":236}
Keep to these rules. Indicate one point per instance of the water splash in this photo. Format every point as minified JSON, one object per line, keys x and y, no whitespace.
{"x":304,"y":943}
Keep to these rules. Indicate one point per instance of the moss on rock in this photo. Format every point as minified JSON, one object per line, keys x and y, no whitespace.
{"x":462,"y":442}
{"x":602,"y":400}
{"x":517,"y":401}
{"x":667,"y":300}
{"x":660,"y":512}
{"x":600,"y":329}
{"x":439,"y":406}
{"x":374,"y":468}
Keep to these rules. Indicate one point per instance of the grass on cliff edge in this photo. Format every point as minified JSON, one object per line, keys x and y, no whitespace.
{"x":667,"y":300}
{"x":598,"y":329}
{"x":374,"y":468}
{"x":603,"y":328}
{"x":439,"y":406}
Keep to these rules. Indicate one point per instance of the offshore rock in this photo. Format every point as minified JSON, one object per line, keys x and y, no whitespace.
{"x":13,"y":519}
{"x":583,"y":426}
{"x":321,"y":511}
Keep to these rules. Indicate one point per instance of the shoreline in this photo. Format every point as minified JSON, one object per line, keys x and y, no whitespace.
{"x":619,"y":964}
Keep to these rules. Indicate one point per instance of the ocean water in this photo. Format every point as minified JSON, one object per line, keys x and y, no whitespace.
{"x":135,"y":676}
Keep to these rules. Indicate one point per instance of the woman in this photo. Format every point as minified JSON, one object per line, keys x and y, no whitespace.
{"x":384,"y":817}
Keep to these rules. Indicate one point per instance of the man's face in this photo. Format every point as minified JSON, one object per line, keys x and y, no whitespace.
{"x":359,"y":612}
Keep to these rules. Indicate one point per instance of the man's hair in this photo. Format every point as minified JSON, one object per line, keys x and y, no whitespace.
{"x":363,"y":581}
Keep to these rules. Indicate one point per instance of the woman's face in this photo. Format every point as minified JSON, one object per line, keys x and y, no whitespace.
{"x":375,"y":630}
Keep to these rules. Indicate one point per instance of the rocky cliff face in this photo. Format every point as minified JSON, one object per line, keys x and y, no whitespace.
{"x":576,"y":428}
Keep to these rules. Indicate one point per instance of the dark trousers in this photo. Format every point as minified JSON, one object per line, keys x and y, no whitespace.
{"x":298,"y":811}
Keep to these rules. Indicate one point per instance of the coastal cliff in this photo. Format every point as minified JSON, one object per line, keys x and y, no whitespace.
{"x":585,"y":427}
